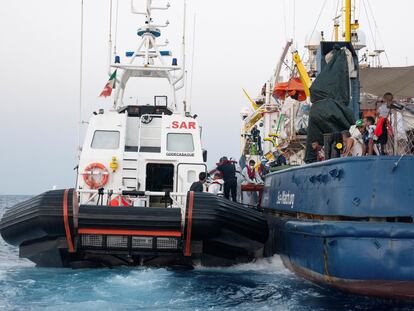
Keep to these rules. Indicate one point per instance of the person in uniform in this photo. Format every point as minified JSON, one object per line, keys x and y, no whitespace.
{"x":228,"y":171}
{"x":198,"y":186}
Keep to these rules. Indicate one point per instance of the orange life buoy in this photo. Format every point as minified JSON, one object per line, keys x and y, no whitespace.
{"x":120,"y":201}
{"x":95,"y":175}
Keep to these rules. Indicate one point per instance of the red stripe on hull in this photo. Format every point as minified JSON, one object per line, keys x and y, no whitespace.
{"x":187,"y":250}
{"x":71,"y":248}
{"x":129,"y":232}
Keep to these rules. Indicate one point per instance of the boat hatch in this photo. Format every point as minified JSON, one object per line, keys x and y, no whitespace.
{"x":160,"y":178}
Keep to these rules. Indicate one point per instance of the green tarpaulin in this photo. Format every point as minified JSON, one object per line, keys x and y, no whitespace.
{"x":330,"y":111}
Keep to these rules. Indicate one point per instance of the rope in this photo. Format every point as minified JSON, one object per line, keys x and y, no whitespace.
{"x":110,"y":37}
{"x":317,"y":21}
{"x":294,"y":20}
{"x":284,"y":18}
{"x":335,"y":15}
{"x":110,"y":20}
{"x":80,"y":81}
{"x":116,"y":25}
{"x":369,"y":25}
{"x":357,"y":10}
{"x":379,"y":33}
{"x":314,"y":28}
{"x":192,"y":61}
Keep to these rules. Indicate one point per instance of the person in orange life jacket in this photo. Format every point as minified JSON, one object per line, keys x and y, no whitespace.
{"x":198,"y":186}
{"x":228,"y":171}
{"x":251,"y":176}
{"x":216,"y":186}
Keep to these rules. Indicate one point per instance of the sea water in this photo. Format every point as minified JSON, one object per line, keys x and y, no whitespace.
{"x":263,"y":285}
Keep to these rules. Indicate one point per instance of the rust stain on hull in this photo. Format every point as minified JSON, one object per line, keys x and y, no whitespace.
{"x":378,"y":288}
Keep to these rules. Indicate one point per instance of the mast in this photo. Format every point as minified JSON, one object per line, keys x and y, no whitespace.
{"x":152,"y":58}
{"x":336,"y":28}
{"x":348,"y":12}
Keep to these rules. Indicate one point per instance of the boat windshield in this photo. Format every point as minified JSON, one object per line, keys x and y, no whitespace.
{"x":105,"y":140}
{"x":180,"y":142}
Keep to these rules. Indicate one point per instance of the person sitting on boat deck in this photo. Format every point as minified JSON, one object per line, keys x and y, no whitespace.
{"x":281,"y":158}
{"x":228,"y":171}
{"x":216,"y":186}
{"x":318,"y":150}
{"x":369,"y":137}
{"x":256,"y":138}
{"x":199,"y":186}
{"x":251,"y":177}
{"x":353,"y":147}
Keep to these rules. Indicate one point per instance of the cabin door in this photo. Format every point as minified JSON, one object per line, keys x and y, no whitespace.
{"x":159,"y":177}
{"x":186,"y":174}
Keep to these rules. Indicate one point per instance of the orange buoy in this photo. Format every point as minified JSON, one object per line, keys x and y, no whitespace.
{"x":119,"y":201}
{"x":95,"y":175}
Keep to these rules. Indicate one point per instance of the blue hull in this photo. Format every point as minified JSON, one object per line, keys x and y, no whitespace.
{"x":347,"y":223}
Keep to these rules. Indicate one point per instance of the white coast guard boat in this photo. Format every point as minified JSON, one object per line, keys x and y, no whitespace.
{"x":130,"y":205}
{"x":151,"y":149}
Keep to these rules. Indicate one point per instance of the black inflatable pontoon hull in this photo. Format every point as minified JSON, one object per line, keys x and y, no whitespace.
{"x":40,"y":217}
{"x":216,"y":232}
{"x":227,"y":229}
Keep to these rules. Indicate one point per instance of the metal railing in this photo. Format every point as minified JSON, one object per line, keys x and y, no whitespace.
{"x":178,"y":200}
{"x":401,"y":134}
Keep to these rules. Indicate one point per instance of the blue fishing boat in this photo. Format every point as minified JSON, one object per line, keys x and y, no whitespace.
{"x":346,"y":222}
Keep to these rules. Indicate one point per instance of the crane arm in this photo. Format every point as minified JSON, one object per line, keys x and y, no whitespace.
{"x":303,"y":74}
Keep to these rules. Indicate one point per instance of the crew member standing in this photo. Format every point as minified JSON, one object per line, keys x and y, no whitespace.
{"x":255,"y":132}
{"x":198,"y":186}
{"x":251,"y":177}
{"x":228,"y":171}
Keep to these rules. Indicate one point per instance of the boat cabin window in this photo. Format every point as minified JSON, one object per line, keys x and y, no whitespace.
{"x":180,"y":142}
{"x":105,"y":140}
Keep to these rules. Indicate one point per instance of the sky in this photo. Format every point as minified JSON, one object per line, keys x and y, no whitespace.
{"x":237,"y":45}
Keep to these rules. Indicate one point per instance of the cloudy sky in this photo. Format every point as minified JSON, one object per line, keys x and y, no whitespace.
{"x":237,"y":44}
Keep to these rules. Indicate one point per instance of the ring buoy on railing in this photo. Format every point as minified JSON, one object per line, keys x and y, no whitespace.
{"x":120,"y":201}
{"x":95,"y":175}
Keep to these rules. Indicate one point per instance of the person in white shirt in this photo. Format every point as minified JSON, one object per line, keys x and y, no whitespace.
{"x":369,"y":136}
{"x":216,"y":186}
{"x":395,"y":119}
{"x":353,"y":147}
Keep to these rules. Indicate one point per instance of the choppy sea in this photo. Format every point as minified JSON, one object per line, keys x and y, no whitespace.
{"x":263,"y":285}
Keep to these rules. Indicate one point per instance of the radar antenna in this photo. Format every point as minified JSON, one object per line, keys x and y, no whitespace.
{"x":153,"y":62}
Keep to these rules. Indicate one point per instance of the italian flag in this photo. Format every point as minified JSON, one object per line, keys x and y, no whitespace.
{"x":107,"y":91}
